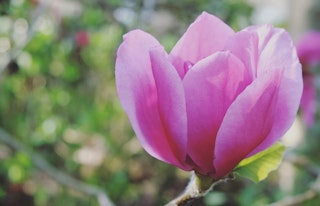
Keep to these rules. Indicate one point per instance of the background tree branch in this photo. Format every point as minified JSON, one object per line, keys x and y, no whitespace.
{"x":57,"y":175}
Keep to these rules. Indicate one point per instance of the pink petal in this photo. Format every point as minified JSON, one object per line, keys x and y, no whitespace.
{"x":205,"y":36}
{"x":276,"y":49}
{"x":258,"y":117}
{"x":210,"y":87}
{"x":171,"y":103}
{"x":244,"y":45}
{"x":309,"y":101}
{"x":138,"y":93}
{"x":309,"y":48}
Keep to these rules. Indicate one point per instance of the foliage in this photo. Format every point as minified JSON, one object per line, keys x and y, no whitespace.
{"x":258,"y":166}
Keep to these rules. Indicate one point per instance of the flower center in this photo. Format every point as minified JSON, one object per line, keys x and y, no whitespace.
{"x":187,"y":66}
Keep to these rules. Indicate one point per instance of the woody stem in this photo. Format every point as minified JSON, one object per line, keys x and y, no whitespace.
{"x":198,"y":186}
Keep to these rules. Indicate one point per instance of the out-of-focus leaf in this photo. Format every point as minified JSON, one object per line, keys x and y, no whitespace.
{"x":261,"y":164}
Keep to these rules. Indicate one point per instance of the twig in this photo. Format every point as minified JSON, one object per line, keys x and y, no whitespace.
{"x":56,"y":174}
{"x":302,"y":162}
{"x":16,"y":51}
{"x":198,"y":187}
{"x":297,"y":200}
{"x":310,"y":194}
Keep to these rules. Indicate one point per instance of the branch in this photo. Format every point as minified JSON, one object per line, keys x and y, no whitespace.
{"x":198,"y":187}
{"x":16,"y":51}
{"x":310,"y":194}
{"x":56,"y":174}
{"x":303,"y":162}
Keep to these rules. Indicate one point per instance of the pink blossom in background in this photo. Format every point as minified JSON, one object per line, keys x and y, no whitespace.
{"x":82,"y":38}
{"x":218,"y":97}
{"x":308,"y":49}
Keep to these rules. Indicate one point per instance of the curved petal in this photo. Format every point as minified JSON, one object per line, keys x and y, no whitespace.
{"x":138,"y":95}
{"x":276,"y":49}
{"x":210,"y":87}
{"x":205,"y":36}
{"x":171,"y":103}
{"x":308,"y":48}
{"x":258,"y":117}
{"x":244,"y":45}
{"x":309,"y":101}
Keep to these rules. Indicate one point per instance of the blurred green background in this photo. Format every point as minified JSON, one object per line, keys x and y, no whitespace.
{"x":65,"y":139}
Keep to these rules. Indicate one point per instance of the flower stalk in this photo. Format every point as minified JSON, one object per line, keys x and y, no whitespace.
{"x":198,"y":186}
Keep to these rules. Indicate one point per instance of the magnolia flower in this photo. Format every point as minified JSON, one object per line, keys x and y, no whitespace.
{"x":309,"y":54}
{"x":217,"y":98}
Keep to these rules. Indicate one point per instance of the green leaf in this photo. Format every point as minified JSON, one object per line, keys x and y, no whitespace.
{"x":257,"y":167}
